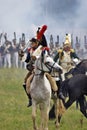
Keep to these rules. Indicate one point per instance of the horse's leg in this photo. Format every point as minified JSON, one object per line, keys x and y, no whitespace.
{"x":56,"y":112}
{"x":34,"y":117}
{"x":69,"y":102}
{"x":41,"y":110}
{"x":61,"y":109}
{"x":44,"y":108}
{"x":46,"y":116}
{"x":82,"y":103}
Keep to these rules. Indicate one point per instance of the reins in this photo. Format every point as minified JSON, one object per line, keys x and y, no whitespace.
{"x":42,"y":70}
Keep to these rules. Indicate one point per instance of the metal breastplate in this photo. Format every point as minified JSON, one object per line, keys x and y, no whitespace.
{"x":66,"y":60}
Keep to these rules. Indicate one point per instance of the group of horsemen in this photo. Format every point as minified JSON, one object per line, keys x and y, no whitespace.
{"x":65,"y":56}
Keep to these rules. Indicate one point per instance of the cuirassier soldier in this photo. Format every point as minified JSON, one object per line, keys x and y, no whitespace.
{"x":66,"y":58}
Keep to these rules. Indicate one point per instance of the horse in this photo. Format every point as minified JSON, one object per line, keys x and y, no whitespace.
{"x":81,"y":68}
{"x":40,"y":88}
{"x":76,"y":87}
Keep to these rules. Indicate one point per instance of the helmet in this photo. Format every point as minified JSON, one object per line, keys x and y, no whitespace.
{"x":67,"y":41}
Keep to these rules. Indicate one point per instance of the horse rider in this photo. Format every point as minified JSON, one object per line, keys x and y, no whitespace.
{"x":37,"y":44}
{"x":66,"y":57}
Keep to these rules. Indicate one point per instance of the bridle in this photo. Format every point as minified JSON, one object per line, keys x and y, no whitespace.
{"x":49,"y":67}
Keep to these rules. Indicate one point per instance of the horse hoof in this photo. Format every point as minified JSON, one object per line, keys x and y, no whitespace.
{"x":57,"y":124}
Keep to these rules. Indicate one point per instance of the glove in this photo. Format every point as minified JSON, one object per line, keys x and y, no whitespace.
{"x":76,"y":61}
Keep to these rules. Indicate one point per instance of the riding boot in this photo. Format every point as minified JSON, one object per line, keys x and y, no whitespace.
{"x":24,"y":86}
{"x":30,"y":101}
{"x":61,"y":96}
{"x":29,"y":96}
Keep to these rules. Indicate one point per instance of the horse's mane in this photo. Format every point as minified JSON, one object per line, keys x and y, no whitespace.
{"x":82,"y":66}
{"x":83,"y":61}
{"x":79,"y":63}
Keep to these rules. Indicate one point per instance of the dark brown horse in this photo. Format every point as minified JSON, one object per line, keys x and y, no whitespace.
{"x":75,"y":87}
{"x":81,"y":68}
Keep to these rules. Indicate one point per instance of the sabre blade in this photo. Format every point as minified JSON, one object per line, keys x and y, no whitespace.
{"x":27,"y":45}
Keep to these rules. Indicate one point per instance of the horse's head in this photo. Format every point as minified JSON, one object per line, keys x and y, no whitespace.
{"x":44,"y":63}
{"x":49,"y":62}
{"x":80,"y":68}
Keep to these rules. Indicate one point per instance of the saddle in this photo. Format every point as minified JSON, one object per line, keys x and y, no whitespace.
{"x":49,"y":77}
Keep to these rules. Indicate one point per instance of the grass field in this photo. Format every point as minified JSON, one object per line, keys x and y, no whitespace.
{"x":14,"y":115}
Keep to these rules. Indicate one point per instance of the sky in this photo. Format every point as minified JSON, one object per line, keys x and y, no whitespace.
{"x":61,"y":17}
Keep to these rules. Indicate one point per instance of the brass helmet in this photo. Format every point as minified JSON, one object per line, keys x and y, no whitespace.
{"x":67,"y":41}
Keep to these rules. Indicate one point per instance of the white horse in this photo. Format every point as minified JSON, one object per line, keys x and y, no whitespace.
{"x":40,"y":89}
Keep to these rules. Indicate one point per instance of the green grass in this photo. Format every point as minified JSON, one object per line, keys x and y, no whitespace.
{"x":14,"y":115}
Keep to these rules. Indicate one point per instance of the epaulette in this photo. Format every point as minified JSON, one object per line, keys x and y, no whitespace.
{"x":46,"y":48}
{"x":60,"y":51}
{"x":72,"y":50}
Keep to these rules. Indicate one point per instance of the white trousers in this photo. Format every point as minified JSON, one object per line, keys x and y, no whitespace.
{"x":7,"y":60}
{"x":15,"y":59}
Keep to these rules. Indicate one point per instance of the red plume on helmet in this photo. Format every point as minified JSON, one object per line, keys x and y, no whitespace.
{"x":41,"y":32}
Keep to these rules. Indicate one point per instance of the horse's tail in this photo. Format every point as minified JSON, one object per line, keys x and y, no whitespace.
{"x":60,"y":109}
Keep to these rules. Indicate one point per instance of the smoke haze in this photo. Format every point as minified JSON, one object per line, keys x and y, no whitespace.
{"x":61,"y":16}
